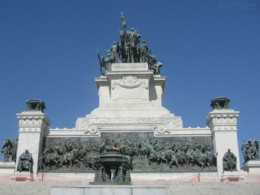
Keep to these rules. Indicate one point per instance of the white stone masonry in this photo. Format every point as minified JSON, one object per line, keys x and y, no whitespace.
{"x":33,"y":125}
{"x":223,"y":124}
{"x":130,"y":99}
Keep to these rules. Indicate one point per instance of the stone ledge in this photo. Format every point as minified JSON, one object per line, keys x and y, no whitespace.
{"x":252,"y":166}
{"x":7,"y":167}
{"x":129,"y":66}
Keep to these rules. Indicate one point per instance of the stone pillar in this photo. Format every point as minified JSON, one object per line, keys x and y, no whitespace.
{"x":222,"y":121}
{"x":33,"y":124}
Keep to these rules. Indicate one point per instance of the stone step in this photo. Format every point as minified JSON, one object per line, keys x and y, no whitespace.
{"x":44,"y":188}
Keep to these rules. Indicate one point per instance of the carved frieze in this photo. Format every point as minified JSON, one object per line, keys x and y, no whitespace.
{"x":34,"y":123}
{"x":161,"y":125}
{"x":129,"y":82}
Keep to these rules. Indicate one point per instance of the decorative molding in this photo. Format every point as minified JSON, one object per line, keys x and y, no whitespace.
{"x":161,"y":125}
{"x":169,"y":122}
{"x":30,"y":129}
{"x":32,"y":122}
{"x":93,"y":130}
{"x":129,"y":82}
{"x":161,"y":129}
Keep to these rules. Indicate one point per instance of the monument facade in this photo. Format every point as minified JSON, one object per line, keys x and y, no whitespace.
{"x":130,"y":136}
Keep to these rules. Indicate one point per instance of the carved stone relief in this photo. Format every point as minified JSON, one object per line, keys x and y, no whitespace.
{"x":129,"y":81}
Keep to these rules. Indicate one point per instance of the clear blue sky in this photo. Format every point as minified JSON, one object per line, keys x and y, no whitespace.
{"x":208,"y":48}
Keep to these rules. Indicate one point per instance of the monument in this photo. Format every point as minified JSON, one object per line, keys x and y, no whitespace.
{"x":130,"y":137}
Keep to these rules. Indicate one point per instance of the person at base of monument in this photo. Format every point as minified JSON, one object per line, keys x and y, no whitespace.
{"x":229,"y":161}
{"x":25,"y":162}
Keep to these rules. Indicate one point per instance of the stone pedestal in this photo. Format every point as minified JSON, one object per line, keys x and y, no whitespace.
{"x":252,"y":166}
{"x":110,"y":190}
{"x":223,"y":124}
{"x":33,"y":125}
{"x":130,"y":99}
{"x":130,"y":102}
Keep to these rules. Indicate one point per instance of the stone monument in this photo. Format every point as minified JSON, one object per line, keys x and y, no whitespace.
{"x":130,"y":136}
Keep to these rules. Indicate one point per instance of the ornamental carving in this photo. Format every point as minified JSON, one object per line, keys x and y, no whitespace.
{"x":93,"y":130}
{"x":161,"y":129}
{"x":129,"y":82}
{"x":164,"y":123}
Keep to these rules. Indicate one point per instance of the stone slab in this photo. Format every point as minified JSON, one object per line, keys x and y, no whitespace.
{"x":7,"y":167}
{"x":108,"y":191}
{"x":112,"y":190}
{"x":149,"y":191}
{"x":252,"y":166}
{"x":67,"y":191}
{"x":129,"y":66}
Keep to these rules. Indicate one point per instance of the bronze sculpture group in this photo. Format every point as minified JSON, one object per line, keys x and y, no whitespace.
{"x":35,"y":105}
{"x":146,"y":155}
{"x":250,"y":150}
{"x":129,"y":50}
{"x":9,"y":149}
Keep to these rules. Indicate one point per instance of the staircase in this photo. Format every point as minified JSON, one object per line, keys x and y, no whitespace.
{"x":224,"y":188}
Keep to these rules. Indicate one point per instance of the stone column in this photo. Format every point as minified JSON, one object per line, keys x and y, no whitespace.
{"x":222,"y":121}
{"x":33,"y":124}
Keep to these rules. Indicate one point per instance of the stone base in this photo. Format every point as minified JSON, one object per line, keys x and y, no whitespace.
{"x":252,"y":166}
{"x":7,"y":167}
{"x":109,"y":190}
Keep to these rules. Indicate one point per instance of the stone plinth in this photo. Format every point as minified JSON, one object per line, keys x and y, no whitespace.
{"x":7,"y":167}
{"x":252,"y":166}
{"x":110,"y":190}
{"x":33,"y":126}
{"x":129,"y":67}
{"x":130,"y":99}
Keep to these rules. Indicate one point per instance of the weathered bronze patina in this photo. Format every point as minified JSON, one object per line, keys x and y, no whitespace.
{"x":250,"y":149}
{"x":220,"y":103}
{"x":25,"y":162}
{"x":9,"y":149}
{"x":229,"y":161}
{"x":113,"y":167}
{"x":35,"y":105}
{"x":129,"y":49}
{"x":146,"y":152}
